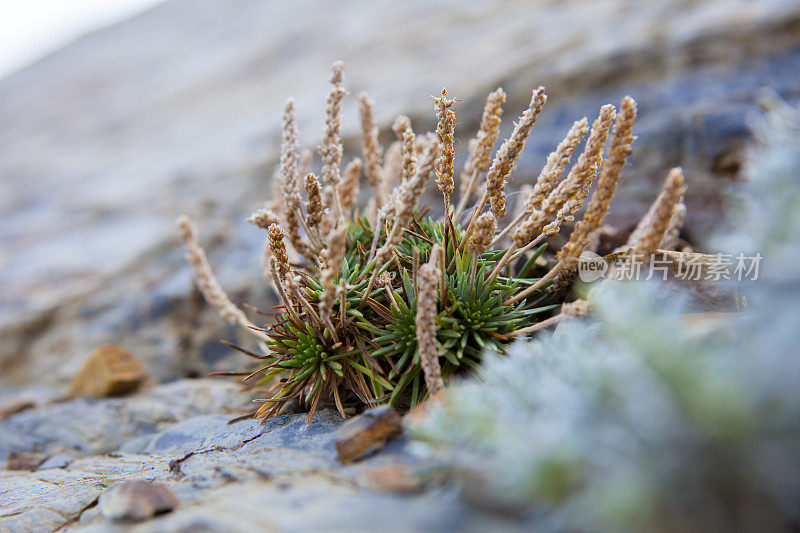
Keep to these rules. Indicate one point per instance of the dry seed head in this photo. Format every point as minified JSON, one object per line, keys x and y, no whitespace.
{"x":445,"y":137}
{"x":415,"y":186}
{"x":568,"y":196}
{"x":370,"y":146}
{"x":392,"y":164}
{"x":278,"y":250}
{"x":294,"y":286}
{"x":483,"y":234}
{"x":331,"y":148}
{"x":349,"y":188}
{"x":585,"y":169}
{"x":336,"y":251}
{"x":557,"y":161}
{"x":507,"y":156}
{"x":293,"y":231}
{"x":671,"y":237}
{"x":480,"y":148}
{"x":385,"y":278}
{"x":575,"y":309}
{"x":314,"y":208}
{"x":263,"y":218}
{"x":306,"y":159}
{"x":408,"y":195}
{"x":654,"y":226}
{"x":323,"y":259}
{"x":290,"y":156}
{"x":429,"y":349}
{"x":204,"y":276}
{"x":402,"y":127}
{"x":526,"y":231}
{"x":618,"y":151}
{"x":289,"y":179}
{"x":337,"y":73}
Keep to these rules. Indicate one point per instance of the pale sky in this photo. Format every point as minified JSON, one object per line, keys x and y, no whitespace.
{"x":30,"y":29}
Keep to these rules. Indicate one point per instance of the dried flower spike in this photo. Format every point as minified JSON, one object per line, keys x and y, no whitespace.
{"x":349,"y":189}
{"x":204,"y":276}
{"x":370,"y":147}
{"x":484,"y":233}
{"x":651,"y":230}
{"x":331,"y":148}
{"x":619,"y":149}
{"x":557,"y":161}
{"x":290,"y":182}
{"x":548,"y":177}
{"x":445,"y":138}
{"x":428,"y":346}
{"x":336,"y":250}
{"x":568,"y":196}
{"x":480,"y":148}
{"x":672,"y":236}
{"x":278,"y":250}
{"x":263,"y":218}
{"x":507,"y":156}
{"x":314,"y":208}
{"x":402,"y":127}
{"x":335,"y":339}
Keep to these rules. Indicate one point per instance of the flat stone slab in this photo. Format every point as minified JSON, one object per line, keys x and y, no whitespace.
{"x":280,"y":475}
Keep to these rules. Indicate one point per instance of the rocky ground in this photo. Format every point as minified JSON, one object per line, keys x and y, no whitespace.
{"x":283,"y":475}
{"x":177,"y":110}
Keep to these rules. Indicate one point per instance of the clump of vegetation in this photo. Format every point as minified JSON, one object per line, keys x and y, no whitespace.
{"x":386,"y":303}
{"x":642,"y":416}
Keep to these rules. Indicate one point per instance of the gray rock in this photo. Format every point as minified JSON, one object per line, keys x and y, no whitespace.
{"x":43,"y":501}
{"x":110,"y":138}
{"x":96,"y":426}
{"x":177,"y":110}
{"x":222,"y":473}
{"x":59,"y":460}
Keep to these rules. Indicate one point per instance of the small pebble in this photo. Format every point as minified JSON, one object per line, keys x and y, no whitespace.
{"x":111,"y":370}
{"x":367,"y":433}
{"x":395,"y":478}
{"x":22,"y":460}
{"x":136,"y":500}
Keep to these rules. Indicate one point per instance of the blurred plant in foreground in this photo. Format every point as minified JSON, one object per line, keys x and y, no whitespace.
{"x":642,"y":417}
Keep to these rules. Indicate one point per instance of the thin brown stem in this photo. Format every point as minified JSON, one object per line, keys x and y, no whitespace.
{"x":552,"y":321}
{"x":524,"y":294}
{"x":511,"y":225}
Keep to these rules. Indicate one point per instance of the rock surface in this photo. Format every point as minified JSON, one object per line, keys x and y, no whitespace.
{"x":280,"y":475}
{"x":177,"y":110}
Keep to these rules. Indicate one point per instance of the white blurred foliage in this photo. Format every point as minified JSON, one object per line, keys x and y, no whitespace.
{"x":638,"y":420}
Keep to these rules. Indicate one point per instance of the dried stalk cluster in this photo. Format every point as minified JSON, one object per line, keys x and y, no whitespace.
{"x":386,"y":303}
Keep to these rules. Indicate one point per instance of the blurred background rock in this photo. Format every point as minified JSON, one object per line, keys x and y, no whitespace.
{"x":177,"y":109}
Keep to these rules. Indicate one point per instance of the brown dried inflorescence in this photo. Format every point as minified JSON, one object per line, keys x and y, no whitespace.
{"x":387,"y":303}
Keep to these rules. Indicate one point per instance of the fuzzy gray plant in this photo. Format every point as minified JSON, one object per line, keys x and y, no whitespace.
{"x":642,"y":417}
